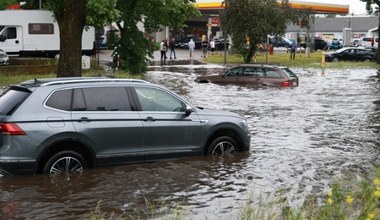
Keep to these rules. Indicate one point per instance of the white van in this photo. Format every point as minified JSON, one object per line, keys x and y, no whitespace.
{"x":366,"y":42}
{"x":35,"y":33}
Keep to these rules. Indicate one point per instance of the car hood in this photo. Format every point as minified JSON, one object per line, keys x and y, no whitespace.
{"x":329,"y":53}
{"x":202,"y":111}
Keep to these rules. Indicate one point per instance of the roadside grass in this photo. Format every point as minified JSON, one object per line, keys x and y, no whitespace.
{"x":348,"y":198}
{"x":283,"y":58}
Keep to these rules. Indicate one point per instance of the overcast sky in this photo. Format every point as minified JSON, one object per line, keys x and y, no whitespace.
{"x":356,"y":6}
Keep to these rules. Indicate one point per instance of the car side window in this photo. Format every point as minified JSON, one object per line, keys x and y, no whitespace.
{"x":253,"y":72}
{"x":60,"y":100}
{"x":235,"y":72}
{"x":101,"y":99}
{"x":152,"y":99}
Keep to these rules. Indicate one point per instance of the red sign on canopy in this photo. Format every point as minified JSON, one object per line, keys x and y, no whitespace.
{"x":14,"y":7}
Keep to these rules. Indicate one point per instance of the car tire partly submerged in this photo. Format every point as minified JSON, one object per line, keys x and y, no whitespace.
{"x":65,"y":162}
{"x":222,"y":146}
{"x":335,"y":59}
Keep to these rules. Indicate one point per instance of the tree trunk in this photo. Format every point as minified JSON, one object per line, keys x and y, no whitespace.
{"x":71,"y":23}
{"x":378,"y":31}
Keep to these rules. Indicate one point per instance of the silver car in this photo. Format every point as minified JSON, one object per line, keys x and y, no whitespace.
{"x":4,"y":59}
{"x":69,"y":124}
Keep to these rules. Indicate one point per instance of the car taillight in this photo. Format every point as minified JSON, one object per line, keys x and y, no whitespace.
{"x":11,"y":129}
{"x":286,"y":84}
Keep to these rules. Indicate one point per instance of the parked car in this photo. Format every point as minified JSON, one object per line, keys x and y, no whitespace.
{"x":335,"y":44}
{"x":280,"y":42}
{"x":69,"y":124}
{"x":351,"y":54}
{"x":319,"y":44}
{"x":254,"y":75}
{"x":366,"y":42}
{"x":219,"y":43}
{"x":4,"y":59}
{"x":183,"y":43}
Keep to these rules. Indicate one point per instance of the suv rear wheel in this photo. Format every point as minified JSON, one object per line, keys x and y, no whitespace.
{"x":223,"y":145}
{"x":64,"y":162}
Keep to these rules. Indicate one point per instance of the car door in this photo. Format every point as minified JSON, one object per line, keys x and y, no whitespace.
{"x":11,"y":40}
{"x":253,"y":75}
{"x":346,"y":55}
{"x":168,"y":131}
{"x":103,"y":117}
{"x":233,"y":75}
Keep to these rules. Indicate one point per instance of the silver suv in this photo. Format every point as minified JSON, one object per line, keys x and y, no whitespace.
{"x":69,"y":124}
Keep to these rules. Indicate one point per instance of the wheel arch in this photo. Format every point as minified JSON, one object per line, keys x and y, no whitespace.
{"x":224,"y":131}
{"x":64,"y":145}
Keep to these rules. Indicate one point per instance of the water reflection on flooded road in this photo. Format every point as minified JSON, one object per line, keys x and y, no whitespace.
{"x":302,"y":139}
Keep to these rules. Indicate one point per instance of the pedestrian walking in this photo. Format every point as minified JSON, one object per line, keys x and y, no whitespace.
{"x":204,"y":48}
{"x":212,"y":45}
{"x":293,"y":48}
{"x":172,"y":49}
{"x":191,"y":46}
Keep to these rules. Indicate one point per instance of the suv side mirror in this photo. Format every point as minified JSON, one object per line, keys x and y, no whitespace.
{"x":188,"y":110}
{"x":2,"y":38}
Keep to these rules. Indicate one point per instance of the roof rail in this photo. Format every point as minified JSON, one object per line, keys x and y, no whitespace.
{"x":87,"y":80}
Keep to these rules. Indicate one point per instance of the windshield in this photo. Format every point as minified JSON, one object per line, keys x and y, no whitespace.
{"x":341,"y":50}
{"x":1,"y":28}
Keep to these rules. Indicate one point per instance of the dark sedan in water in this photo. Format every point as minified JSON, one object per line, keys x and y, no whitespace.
{"x":254,"y":75}
{"x":350,"y":54}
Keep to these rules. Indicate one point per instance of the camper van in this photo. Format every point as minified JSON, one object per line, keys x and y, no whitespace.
{"x":35,"y":33}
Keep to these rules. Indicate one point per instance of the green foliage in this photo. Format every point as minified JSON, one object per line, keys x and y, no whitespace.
{"x":101,"y":12}
{"x":249,"y":22}
{"x":369,"y":7}
{"x":5,"y":3}
{"x":135,"y":45}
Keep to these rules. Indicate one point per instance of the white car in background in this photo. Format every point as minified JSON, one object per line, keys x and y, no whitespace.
{"x":4,"y":59}
{"x":366,"y":42}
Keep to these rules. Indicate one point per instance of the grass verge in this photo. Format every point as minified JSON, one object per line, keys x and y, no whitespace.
{"x":301,"y":60}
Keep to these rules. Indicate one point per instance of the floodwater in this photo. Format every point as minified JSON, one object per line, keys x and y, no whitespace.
{"x":302,"y":139}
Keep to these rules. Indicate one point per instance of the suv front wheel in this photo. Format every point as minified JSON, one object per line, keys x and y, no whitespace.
{"x":64,"y":162}
{"x":223,"y":145}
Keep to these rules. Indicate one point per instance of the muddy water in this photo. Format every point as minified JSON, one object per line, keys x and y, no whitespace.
{"x":302,"y":139}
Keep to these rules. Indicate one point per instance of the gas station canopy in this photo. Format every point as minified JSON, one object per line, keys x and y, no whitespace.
{"x":316,"y":7}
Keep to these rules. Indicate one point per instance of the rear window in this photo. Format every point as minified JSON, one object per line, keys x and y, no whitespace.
{"x":11,"y":99}
{"x":289,"y":72}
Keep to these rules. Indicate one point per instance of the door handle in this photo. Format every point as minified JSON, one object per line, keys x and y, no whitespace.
{"x":149,"y":119}
{"x":83,"y":119}
{"x":17,"y":41}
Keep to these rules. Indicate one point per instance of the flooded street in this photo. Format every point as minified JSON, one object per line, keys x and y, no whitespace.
{"x":302,"y":139}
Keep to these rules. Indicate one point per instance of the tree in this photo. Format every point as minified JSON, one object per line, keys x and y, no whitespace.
{"x":72,"y":16}
{"x":372,"y":10}
{"x":249,"y":22}
{"x":136,"y":45}
{"x":5,"y":3}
